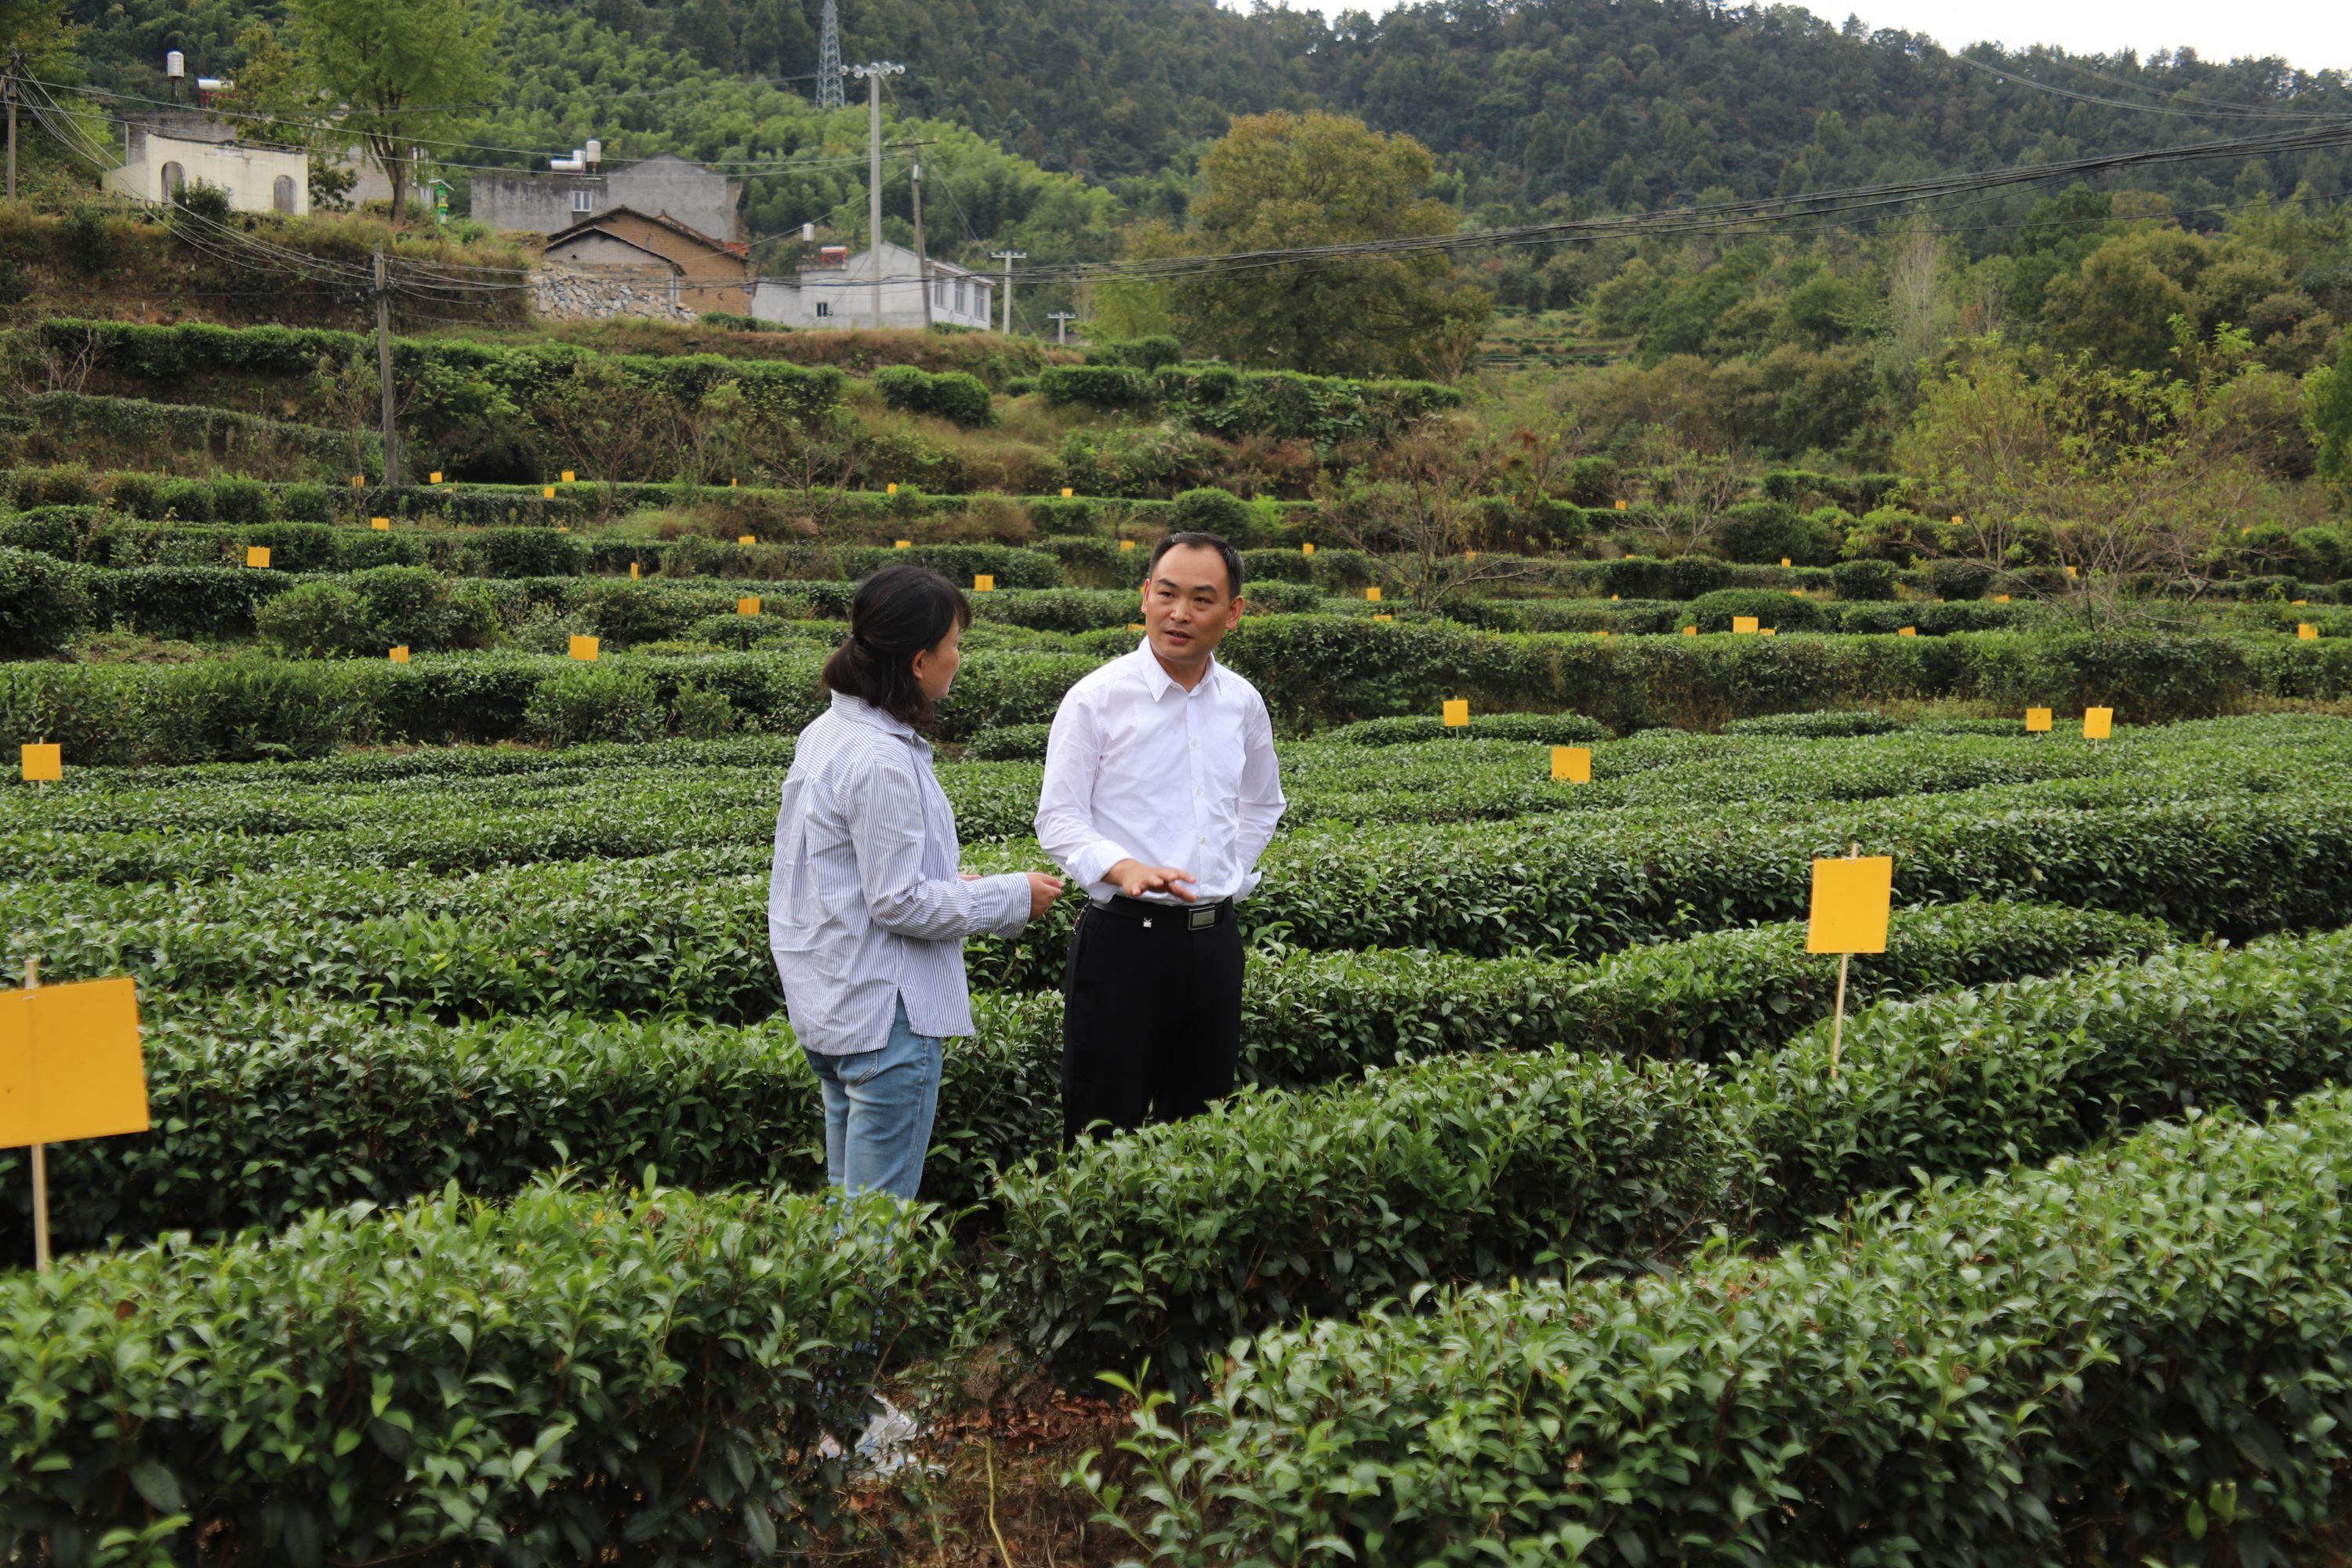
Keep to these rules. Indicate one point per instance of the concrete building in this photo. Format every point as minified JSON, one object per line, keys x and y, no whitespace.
{"x":169,"y":149}
{"x":838,"y":292}
{"x":664,"y":185}
{"x":694,"y":270}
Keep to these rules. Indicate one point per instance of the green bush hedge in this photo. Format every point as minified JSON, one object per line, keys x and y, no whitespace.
{"x":265,"y":1108}
{"x":2132,"y":1356}
{"x":1533,"y":729}
{"x":578,"y":1370}
{"x":950,"y":394}
{"x":44,"y":604}
{"x":1168,"y":1242}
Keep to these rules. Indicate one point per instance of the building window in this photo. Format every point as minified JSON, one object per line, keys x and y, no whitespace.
{"x":825,"y":307}
{"x":940,"y":293}
{"x":960,"y":287}
{"x":282,"y":194}
{"x":583,"y":201}
{"x":175,"y":180}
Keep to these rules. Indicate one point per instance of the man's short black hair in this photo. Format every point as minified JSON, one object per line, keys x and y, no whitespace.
{"x":1233,"y":558}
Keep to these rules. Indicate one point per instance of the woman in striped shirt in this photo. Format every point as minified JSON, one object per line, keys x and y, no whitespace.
{"x":867,"y":910}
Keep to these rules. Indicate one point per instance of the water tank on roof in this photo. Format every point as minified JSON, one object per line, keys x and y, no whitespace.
{"x":833,"y":255}
{"x":595,"y":152}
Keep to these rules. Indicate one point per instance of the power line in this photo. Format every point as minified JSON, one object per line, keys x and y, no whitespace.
{"x":2215,"y":114}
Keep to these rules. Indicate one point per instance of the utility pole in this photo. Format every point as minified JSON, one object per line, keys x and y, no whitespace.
{"x":922,"y":257}
{"x":874,"y":72}
{"x":1009,"y":257}
{"x":384,"y":367}
{"x":1061,"y":320}
{"x":15,"y":65}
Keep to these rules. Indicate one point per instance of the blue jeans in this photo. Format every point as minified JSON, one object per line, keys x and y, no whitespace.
{"x":878,"y":1108}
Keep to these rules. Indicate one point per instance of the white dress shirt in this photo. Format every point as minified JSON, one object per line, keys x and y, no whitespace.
{"x":865,"y":904}
{"x":1139,"y":768}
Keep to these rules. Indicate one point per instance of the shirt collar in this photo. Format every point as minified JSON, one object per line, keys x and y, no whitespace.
{"x":858,"y":710}
{"x":1158,"y":682}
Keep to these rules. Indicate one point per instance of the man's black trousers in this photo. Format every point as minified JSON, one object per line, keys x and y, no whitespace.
{"x":1152,"y":1027}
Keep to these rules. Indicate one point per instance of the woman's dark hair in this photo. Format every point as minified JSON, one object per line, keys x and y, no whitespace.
{"x":897,"y":614}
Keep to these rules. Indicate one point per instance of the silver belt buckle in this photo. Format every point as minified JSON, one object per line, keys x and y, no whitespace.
{"x":1201,"y":918}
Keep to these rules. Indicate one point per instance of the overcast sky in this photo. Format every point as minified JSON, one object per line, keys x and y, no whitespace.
{"x":2315,"y":34}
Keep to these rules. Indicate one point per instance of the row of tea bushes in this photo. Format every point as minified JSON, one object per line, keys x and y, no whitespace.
{"x":576,"y":1373}
{"x":266,"y":1105}
{"x":1169,"y":1242}
{"x":2134,"y":1356}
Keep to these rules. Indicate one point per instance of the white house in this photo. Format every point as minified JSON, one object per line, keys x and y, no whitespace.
{"x":838,"y":291}
{"x":156,"y":165}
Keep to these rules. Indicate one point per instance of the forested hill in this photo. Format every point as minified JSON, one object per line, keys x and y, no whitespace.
{"x":1615,"y":104}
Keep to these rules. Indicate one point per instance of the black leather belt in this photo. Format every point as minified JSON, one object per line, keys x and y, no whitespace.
{"x":1174,"y":917}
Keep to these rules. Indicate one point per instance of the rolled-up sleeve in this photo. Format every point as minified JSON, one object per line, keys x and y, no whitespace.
{"x":1065,"y":822}
{"x":884,"y":812}
{"x":1262,"y":800}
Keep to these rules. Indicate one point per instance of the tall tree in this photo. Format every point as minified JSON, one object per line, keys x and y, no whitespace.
{"x":1282,"y":180}
{"x":400,"y":70}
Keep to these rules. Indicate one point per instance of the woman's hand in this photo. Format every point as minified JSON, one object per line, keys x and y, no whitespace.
{"x":1043,"y":891}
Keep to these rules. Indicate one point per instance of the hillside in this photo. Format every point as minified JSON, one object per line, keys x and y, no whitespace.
{"x":1578,"y":103}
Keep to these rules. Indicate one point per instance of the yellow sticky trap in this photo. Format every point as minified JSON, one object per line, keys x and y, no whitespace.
{"x":1574,"y":763}
{"x":1604,"y":634}
{"x":359,"y":481}
{"x":747,"y":538}
{"x":1067,"y":493}
{"x":567,"y":476}
{"x":2037,"y":721}
{"x":1786,"y":562}
{"x":400,"y":654}
{"x":1956,"y":520}
{"x":1127,"y":544}
{"x":1796,"y":593}
{"x":2072,"y":572}
{"x":1307,"y":549}
{"x":584,"y":649}
{"x":1384,"y":617}
{"x":748,"y":606}
{"x":2000,"y":598}
{"x":2306,"y":631}
{"x":2098,"y":723}
{"x":1746,"y":624}
{"x":1469,"y":555}
{"x":436,"y":479}
{"x":632,"y":571}
{"x":42,"y":764}
{"x":890,"y":489}
{"x":1850,"y":904}
{"x":1613,"y":598}
{"x":547,"y":492}
{"x":1456,"y":712}
{"x":257,"y":555}
{"x":1769,"y":632}
{"x":1621,"y":506}
{"x":1906,"y":631}
{"x":69,"y":1063}
{"x":1690,"y":631}
{"x":1371,"y":595}
{"x":902,"y":545}
{"x":381,"y":524}
{"x":2298,"y":601}
{"x":984,"y":583}
{"x":1135,"y":626}
{"x":561,"y":529}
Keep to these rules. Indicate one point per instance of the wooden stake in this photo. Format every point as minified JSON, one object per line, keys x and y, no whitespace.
{"x":1837,"y":1019}
{"x":41,"y":1162}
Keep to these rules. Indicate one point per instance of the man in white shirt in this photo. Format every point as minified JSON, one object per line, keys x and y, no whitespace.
{"x":1161,"y":793}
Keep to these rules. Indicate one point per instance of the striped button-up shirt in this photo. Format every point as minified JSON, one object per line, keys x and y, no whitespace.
{"x":865,"y":904}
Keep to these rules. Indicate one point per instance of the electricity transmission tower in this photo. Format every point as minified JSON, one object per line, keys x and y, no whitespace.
{"x":828,"y":58}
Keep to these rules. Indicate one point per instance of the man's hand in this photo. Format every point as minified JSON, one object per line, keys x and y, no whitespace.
{"x":1134,"y":879}
{"x":1043,"y":891}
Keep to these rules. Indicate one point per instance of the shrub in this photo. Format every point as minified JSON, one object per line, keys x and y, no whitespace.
{"x":1869,"y":578}
{"x":1786,"y":612}
{"x":363,"y":615}
{"x":596,"y":701}
{"x":951,"y":395}
{"x":1010,"y":742}
{"x":43,"y":604}
{"x":1168,"y":1241}
{"x":1211,"y":510}
{"x":236,"y":498}
{"x":1954,"y":580}
{"x":1816,"y":725}
{"x":702,"y":715}
{"x":628,"y":613}
{"x":1097,"y":387}
{"x":1694,"y":576}
{"x":1592,"y":481}
{"x":1535,"y":729}
{"x":423,"y":1383}
{"x":2127,"y":1357}
{"x":1141,"y":354}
